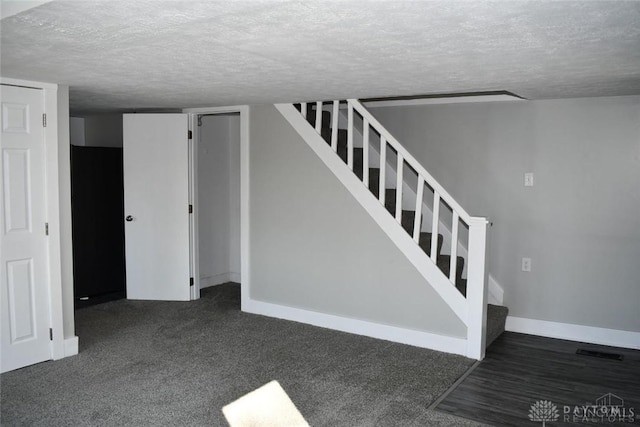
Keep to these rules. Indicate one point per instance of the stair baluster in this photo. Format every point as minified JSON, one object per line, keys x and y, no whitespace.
{"x":399,"y":182}
{"x":418,"y":217}
{"x":365,"y":152}
{"x":434,"y":224}
{"x":383,"y":170}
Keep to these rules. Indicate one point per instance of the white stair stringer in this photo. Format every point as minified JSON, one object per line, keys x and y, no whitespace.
{"x":420,"y":260}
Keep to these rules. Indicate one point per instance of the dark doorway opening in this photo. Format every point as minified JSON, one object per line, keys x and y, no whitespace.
{"x":97,"y":205}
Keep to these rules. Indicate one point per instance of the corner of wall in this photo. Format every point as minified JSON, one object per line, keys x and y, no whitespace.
{"x":66,"y":241}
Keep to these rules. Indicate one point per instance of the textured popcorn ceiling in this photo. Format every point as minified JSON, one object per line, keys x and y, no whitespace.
{"x":165,"y":54}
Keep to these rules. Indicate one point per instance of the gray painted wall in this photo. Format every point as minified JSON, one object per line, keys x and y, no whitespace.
{"x":219,"y":198}
{"x":580,"y":223}
{"x":103,"y":130}
{"x":76,"y":131}
{"x":314,"y":247}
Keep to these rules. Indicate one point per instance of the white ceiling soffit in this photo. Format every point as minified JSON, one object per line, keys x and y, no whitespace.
{"x":148,"y":54}
{"x":443,"y":99}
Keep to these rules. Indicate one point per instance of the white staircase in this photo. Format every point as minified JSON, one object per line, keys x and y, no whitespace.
{"x":412,"y":208}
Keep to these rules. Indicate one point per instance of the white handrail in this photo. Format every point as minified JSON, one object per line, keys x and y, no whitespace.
{"x":373,"y":122}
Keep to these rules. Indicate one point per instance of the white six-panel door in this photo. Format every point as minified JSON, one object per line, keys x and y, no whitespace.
{"x":156,"y":200}
{"x":24,"y":285}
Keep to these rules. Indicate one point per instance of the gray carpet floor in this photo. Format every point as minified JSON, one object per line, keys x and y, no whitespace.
{"x":149,"y":363}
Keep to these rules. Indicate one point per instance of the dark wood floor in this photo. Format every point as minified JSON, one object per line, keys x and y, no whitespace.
{"x":520,"y":370}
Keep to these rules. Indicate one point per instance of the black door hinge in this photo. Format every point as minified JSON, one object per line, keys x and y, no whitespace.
{"x":190,"y":209}
{"x":50,"y":334}
{"x":44,"y":120}
{"x":190,"y":281}
{"x":46,"y":228}
{"x":190,"y":135}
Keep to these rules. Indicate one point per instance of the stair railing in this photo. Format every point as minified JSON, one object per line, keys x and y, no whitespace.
{"x":476,"y":291}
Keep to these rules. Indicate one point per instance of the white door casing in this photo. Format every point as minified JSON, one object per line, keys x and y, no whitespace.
{"x":25,"y":308}
{"x":156,"y":188}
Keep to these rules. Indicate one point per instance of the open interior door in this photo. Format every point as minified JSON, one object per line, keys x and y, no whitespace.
{"x":24,"y":279}
{"x":156,"y":203}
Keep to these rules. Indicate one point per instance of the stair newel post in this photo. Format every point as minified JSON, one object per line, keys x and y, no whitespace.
{"x":477,"y":288}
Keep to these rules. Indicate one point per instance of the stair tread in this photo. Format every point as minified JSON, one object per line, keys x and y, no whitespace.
{"x":311,"y":116}
{"x":425,"y":242}
{"x":461,"y":285}
{"x":443,"y":261}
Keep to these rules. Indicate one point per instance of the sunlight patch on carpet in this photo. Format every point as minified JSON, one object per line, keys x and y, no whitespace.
{"x":267,"y":406}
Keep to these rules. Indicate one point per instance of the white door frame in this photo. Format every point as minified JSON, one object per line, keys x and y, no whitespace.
{"x":244,"y":195}
{"x":52,"y":202}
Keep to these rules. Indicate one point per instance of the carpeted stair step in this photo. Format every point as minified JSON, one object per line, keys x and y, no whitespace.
{"x":374,"y":181}
{"x":425,"y":242}
{"x":341,"y":143}
{"x":311,"y":116}
{"x":358,"y":160}
{"x":390,"y":203}
{"x":461,"y":285}
{"x":443,"y":262}
{"x":358,"y":152}
{"x":390,"y":200}
{"x":408,"y":217}
{"x":496,"y":321}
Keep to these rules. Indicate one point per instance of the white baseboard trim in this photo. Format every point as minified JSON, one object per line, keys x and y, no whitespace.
{"x":567,"y":331}
{"x":359,"y":327}
{"x":219,"y":279}
{"x":70,"y":346}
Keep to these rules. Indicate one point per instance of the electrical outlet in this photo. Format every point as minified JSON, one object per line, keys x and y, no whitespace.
{"x":526,"y":264}
{"x":528,"y":179}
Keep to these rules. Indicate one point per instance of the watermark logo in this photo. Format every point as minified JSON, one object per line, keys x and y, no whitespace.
{"x":607,"y":409}
{"x":544,"y":411}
